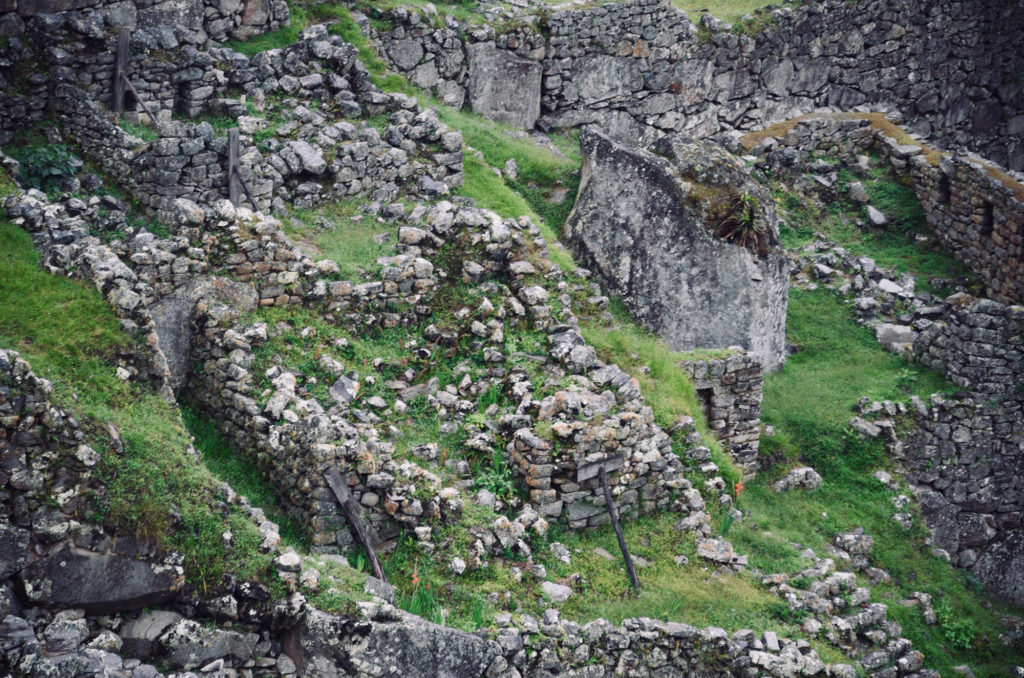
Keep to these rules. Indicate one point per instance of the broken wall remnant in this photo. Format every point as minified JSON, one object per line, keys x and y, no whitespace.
{"x":688,"y":239}
{"x":729,"y":390}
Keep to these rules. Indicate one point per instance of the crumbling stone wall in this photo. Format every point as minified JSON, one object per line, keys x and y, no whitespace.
{"x":730,"y":392}
{"x":48,"y":481}
{"x":189,"y":160}
{"x":49,"y":43}
{"x":965,"y":454}
{"x":67,"y":248}
{"x":214,"y":20}
{"x":641,"y":69}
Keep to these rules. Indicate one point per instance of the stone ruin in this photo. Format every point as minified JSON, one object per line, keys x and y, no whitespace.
{"x":642,"y":69}
{"x":149,"y":282}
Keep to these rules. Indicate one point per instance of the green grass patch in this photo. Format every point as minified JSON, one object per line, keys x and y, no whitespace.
{"x":225,"y":463}
{"x":144,"y":132}
{"x":282,"y":37}
{"x":893,"y":247}
{"x":331,"y":232}
{"x":156,"y":490}
{"x":810,"y":402}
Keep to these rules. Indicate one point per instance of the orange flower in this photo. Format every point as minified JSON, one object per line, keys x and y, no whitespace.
{"x":739,"y":488}
{"x":415,"y":575}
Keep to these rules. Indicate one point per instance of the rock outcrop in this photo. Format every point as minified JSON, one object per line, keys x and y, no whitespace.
{"x":688,"y":240}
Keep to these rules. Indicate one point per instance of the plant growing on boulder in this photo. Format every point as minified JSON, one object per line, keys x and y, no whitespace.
{"x":733,"y":218}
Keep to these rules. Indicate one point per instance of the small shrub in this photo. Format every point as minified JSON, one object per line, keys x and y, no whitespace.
{"x":498,"y":478}
{"x":43,"y":166}
{"x":957,"y":631}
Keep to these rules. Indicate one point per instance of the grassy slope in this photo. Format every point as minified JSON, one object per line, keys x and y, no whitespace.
{"x":810,"y":402}
{"x":70,"y":336}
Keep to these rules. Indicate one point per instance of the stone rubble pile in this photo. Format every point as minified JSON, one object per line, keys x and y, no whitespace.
{"x":323,"y":157}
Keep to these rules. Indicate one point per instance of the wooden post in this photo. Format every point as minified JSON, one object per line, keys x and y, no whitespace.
{"x":235,"y":180}
{"x":618,"y":530}
{"x":120,"y":70}
{"x":348,"y":505}
{"x":234,"y":194}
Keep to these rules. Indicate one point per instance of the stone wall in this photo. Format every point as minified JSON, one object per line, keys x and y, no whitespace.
{"x":68,"y":248}
{"x":729,"y":390}
{"x":641,"y":69}
{"x":214,"y":20}
{"x":189,"y":160}
{"x":49,"y":43}
{"x":965,"y":454}
{"x":49,"y":479}
{"x":975,"y":209}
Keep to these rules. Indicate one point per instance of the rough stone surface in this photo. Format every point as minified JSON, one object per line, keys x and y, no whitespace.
{"x":173,"y":316}
{"x":641,"y":222}
{"x":503,"y":87}
{"x":99,"y":583}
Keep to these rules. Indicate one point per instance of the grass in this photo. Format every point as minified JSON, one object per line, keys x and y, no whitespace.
{"x":892,"y":247}
{"x":144,"y":132}
{"x":809,"y":402}
{"x":156,"y":490}
{"x":330,"y":231}
{"x":225,"y":463}
{"x":286,"y":35}
{"x":726,"y":10}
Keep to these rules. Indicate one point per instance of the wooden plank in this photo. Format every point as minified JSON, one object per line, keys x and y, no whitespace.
{"x":348,"y":505}
{"x":120,"y":68}
{"x":138,"y":99}
{"x":234,"y":192}
{"x":592,"y":469}
{"x":618,"y":530}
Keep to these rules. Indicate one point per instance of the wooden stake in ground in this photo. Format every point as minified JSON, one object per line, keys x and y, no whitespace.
{"x":348,"y":505}
{"x":600,"y":469}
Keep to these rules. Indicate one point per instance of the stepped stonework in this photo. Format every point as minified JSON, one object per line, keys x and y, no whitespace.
{"x":666,"y":218}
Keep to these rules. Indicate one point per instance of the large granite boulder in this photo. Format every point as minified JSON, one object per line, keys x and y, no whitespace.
{"x":688,"y":240}
{"x":393,"y":644}
{"x":502,"y":86}
{"x":99,"y":583}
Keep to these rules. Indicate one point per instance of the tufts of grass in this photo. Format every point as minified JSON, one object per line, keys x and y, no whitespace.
{"x":330,"y":231}
{"x":282,"y":37}
{"x":225,"y":463}
{"x":891,"y":248}
{"x":144,"y":132}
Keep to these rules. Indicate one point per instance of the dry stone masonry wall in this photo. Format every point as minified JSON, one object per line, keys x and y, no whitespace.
{"x":730,"y":392}
{"x":49,"y":478}
{"x":966,"y":451}
{"x":75,"y":42}
{"x":329,"y":157}
{"x":642,"y":69}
